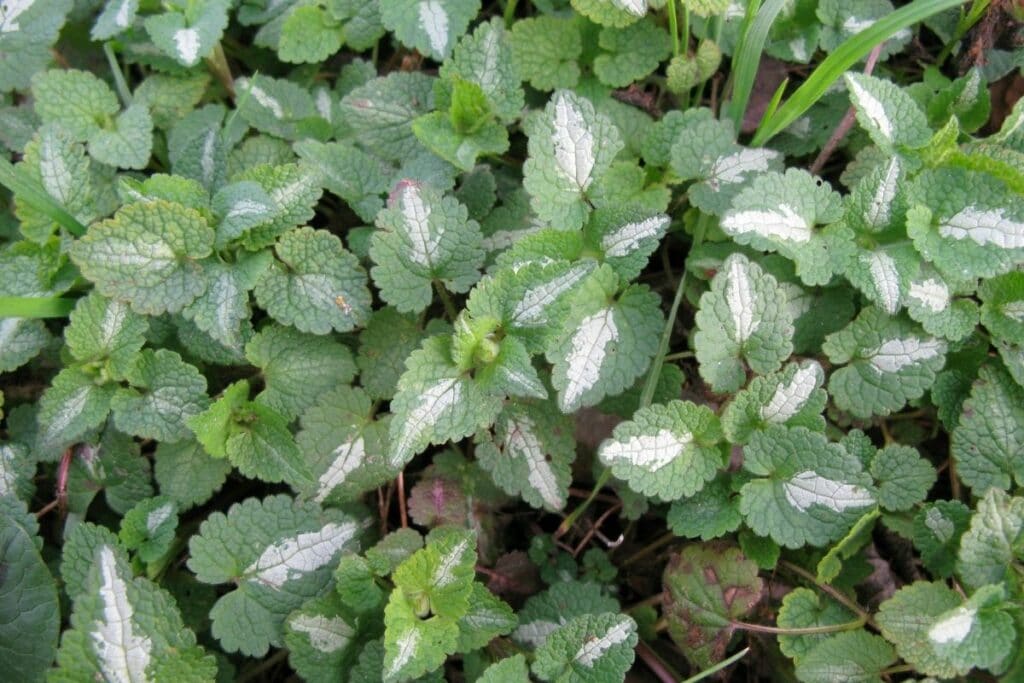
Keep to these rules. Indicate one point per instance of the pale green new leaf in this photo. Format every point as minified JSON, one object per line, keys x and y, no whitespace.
{"x":888,"y":362}
{"x":793,"y":396}
{"x":592,"y":647}
{"x":530,"y":454}
{"x":297,"y":368}
{"x":315,"y":284}
{"x":148,"y":255}
{"x":571,"y":146}
{"x":606,"y":341}
{"x":666,"y":451}
{"x":742,"y":321}
{"x":278,"y":553}
{"x":485,"y":57}
{"x":808,"y":491}
{"x":164,"y":393}
{"x":423,"y":237}
{"x":430,"y":26}
{"x":988,"y":441}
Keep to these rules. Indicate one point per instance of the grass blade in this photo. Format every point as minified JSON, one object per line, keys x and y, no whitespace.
{"x":29,"y":191}
{"x":747,"y":59}
{"x":35,"y":307}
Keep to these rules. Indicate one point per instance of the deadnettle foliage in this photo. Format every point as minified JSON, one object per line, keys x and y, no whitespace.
{"x":422,"y":340}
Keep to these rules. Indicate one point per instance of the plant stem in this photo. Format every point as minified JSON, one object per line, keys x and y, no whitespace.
{"x":832,"y":592}
{"x":218,"y":63}
{"x":664,"y":539}
{"x":446,"y":299}
{"x":680,"y":355}
{"x":718,"y":667}
{"x":403,"y":515}
{"x":510,"y":13}
{"x":35,"y":307}
{"x":122,"y":86}
{"x":803,"y":631}
{"x":658,"y":667}
{"x":673,"y":27}
{"x":963,"y":25}
{"x":570,"y":520}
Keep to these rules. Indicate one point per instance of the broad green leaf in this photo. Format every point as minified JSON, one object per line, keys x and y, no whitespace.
{"x":941,"y":635}
{"x":129,"y":141}
{"x":853,"y":656}
{"x":793,"y":397}
{"x":223,"y":312}
{"x":315,"y":284}
{"x":625,"y":237}
{"x":110,"y":463}
{"x":631,"y":53}
{"x":102,"y":329}
{"x":888,"y":362}
{"x":278,"y":553}
{"x":343,"y":445}
{"x":430,"y":26}
{"x":968,"y":224}
{"x":606,"y":341}
{"x":347,"y":171}
{"x":778,"y":212}
{"x":710,"y":513}
{"x":937,"y":530}
{"x":488,"y":617}
{"x":147,"y":255}
{"x":297,"y":368}
{"x":321,"y":638}
{"x":185,"y":472}
{"x":546,"y":612}
{"x":293,"y":188}
{"x":808,"y":491}
{"x":148,"y":528}
{"x":21,"y":340}
{"x":17,"y":470}
{"x":309,"y":35}
{"x":546,"y":50}
{"x":707,"y":587}
{"x":29,"y":608}
{"x":592,"y":647}
{"x":903,"y":477}
{"x":275,"y":106}
{"x":571,"y":146}
{"x":125,"y":628}
{"x":380,"y":113}
{"x":803,"y":608}
{"x":742,"y":320}
{"x":615,"y":13}
{"x":117,"y":17}
{"x":384,"y":344}
{"x":164,"y":393}
{"x":988,"y":441}
{"x":1002,"y":310}
{"x":888,"y":114}
{"x":392,"y":550}
{"x":27,"y":31}
{"x":436,"y":403}
{"x":509,"y":669}
{"x":993,"y":540}
{"x":666,"y":452}
{"x":423,"y":237}
{"x":530,"y":454}
{"x":77,"y":100}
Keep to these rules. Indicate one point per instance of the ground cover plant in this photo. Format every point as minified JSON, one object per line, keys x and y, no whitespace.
{"x":555,"y":341}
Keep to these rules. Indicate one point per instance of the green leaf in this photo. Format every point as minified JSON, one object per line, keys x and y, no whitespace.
{"x":615,"y":13}
{"x":710,"y":513}
{"x":803,"y":608}
{"x":778,"y":212}
{"x":315,"y":284}
{"x":625,"y":237}
{"x":380,"y":113}
{"x":591,"y":647}
{"x":969,"y":224}
{"x":423,"y":237}
{"x":148,"y":528}
{"x":436,"y":403}
{"x":940,"y":635}
{"x":129,"y":143}
{"x":853,"y":656}
{"x":571,"y":146}
{"x":993,"y":540}
{"x":17,"y":470}
{"x":707,"y":588}
{"x":1002,"y":310}
{"x":509,"y":669}
{"x":110,"y":463}
{"x":487,"y":618}
{"x":743,"y":319}
{"x":21,"y":340}
{"x":793,"y":397}
{"x":148,"y":255}
{"x":72,"y":406}
{"x":352,"y":174}
{"x":297,"y":368}
{"x":213,"y":427}
{"x":102,"y":329}
{"x":27,"y":31}
{"x":545,"y":612}
{"x":438,"y":134}
{"x":274,"y":106}
{"x":309,"y":35}
{"x":189,"y":36}
{"x":117,"y":17}
{"x":546,"y":50}
{"x":77,"y":100}
{"x":392,"y":550}
{"x":185,"y":472}
{"x":294,"y":190}
{"x":530,"y":454}
{"x":344,"y":447}
{"x":278,"y":553}
{"x":888,"y":114}
{"x":903,"y":477}
{"x":809,"y":491}
{"x":888,"y":362}
{"x":938,"y":527}
{"x":988,"y":442}
{"x":356,"y":586}
{"x":384,"y":344}
{"x":667,"y":451}
{"x":631,"y":53}
{"x":125,"y":628}
{"x":430,"y":26}
{"x":321,"y":639}
{"x":606,"y":343}
{"x":165,"y":392}
{"x":29,"y":609}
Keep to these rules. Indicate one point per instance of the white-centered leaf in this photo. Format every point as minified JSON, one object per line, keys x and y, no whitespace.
{"x":893,"y":355}
{"x":594,"y":649}
{"x":808,"y":488}
{"x":791,"y":396}
{"x":886,"y":279}
{"x":573,"y":141}
{"x":872,"y":107}
{"x":782,"y":223}
{"x":10,"y":10}
{"x":879,"y":211}
{"x":531,"y":309}
{"x":187,"y":42}
{"x":637,"y":8}
{"x":741,"y":300}
{"x":347,"y":458}
{"x":294,"y":557}
{"x":326,"y":634}
{"x":261,"y":96}
{"x":522,"y":441}
{"x":434,"y":21}
{"x":734,"y":168}
{"x":651,"y":452}
{"x":953,"y":629}
{"x":586,"y":354}
{"x":984,"y":227}
{"x":416,"y":214}
{"x":932,"y":293}
{"x":627,"y":238}
{"x":123,"y":653}
{"x":433,"y":403}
